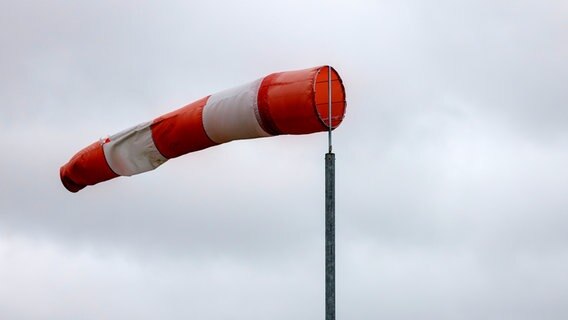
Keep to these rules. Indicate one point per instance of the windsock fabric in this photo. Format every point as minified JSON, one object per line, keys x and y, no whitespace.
{"x":292,"y":102}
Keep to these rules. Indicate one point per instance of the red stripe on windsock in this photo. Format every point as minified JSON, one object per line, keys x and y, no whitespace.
{"x":181,"y":131}
{"x":288,"y":101}
{"x":87,"y":167}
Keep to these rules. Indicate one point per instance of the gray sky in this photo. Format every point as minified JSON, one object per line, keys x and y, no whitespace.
{"x":451,"y":162}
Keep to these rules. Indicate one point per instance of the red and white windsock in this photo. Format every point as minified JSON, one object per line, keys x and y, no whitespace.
{"x":292,"y":102}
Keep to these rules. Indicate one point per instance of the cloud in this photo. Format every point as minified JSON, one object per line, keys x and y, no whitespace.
{"x":450,"y":163}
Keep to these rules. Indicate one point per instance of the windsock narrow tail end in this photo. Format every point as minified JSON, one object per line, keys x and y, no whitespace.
{"x":87,"y":167}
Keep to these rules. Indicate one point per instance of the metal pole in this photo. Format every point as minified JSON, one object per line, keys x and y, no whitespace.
{"x":329,"y":218}
{"x":330,"y":236}
{"x":329,"y":125}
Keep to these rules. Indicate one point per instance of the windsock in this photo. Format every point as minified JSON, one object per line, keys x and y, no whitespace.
{"x":291,"y":102}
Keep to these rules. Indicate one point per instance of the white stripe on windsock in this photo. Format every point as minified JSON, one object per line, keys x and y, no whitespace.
{"x":230,"y":114}
{"x":133,"y":151}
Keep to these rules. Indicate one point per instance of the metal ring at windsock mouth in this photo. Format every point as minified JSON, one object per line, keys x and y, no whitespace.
{"x":338,"y":103}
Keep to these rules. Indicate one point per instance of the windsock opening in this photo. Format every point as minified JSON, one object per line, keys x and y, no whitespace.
{"x":338,"y":105}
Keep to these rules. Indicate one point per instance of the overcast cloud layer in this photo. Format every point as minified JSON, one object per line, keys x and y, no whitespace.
{"x":451,"y":163}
